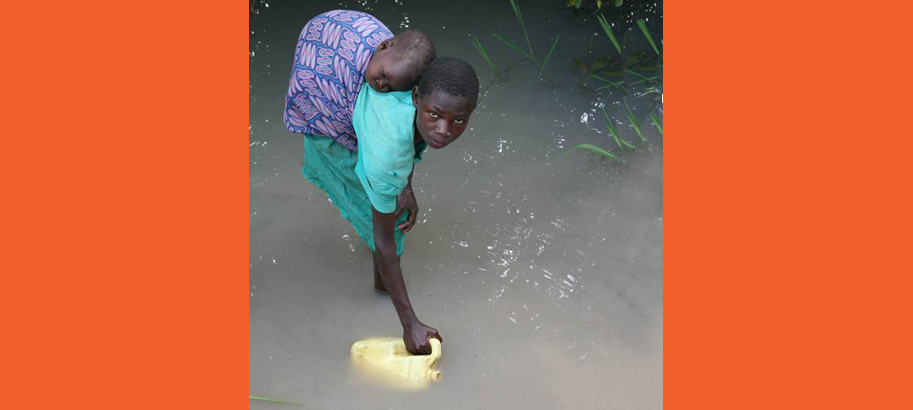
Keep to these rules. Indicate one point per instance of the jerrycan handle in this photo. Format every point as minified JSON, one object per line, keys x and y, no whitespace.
{"x":435,"y":349}
{"x":434,"y":374}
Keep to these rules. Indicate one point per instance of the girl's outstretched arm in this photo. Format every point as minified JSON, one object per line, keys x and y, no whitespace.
{"x":415,"y":333}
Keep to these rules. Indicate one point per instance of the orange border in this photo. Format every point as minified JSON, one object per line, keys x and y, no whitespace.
{"x":126,"y":263}
{"x":781,"y":216}
{"x":126,"y":148}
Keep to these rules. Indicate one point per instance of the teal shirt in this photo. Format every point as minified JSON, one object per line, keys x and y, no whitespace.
{"x":384,"y":125}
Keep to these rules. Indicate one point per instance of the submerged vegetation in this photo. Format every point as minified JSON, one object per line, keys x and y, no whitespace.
{"x":633,"y":73}
{"x":271,"y":399}
{"x":528,"y":53}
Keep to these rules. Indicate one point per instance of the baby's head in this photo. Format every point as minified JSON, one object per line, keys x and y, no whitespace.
{"x":444,"y":100}
{"x":397,"y":63}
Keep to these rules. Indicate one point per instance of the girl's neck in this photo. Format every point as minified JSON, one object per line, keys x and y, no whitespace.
{"x":418,"y":136}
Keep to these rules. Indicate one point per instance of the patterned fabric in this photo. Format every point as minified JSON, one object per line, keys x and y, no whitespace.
{"x":330,"y":61}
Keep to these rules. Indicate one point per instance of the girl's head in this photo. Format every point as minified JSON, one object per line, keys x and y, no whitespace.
{"x":397,"y":63}
{"x":444,"y":100}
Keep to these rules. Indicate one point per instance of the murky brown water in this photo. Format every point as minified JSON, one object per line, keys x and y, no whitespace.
{"x":542,"y":272}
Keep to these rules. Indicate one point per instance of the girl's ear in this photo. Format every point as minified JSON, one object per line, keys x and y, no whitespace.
{"x":415,"y":97}
{"x":384,"y":45}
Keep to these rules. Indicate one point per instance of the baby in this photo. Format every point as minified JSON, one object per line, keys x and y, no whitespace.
{"x":337,"y":53}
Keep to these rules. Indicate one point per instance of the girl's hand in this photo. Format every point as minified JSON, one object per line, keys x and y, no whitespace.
{"x":406,"y":200}
{"x":416,"y":336}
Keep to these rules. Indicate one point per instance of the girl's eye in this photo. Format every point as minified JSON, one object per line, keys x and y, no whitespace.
{"x":432,"y":114}
{"x":459,"y":121}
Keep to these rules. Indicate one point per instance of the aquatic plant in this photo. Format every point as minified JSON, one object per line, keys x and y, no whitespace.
{"x":595,"y":69}
{"x":651,"y":90}
{"x":597,"y":5}
{"x":594,"y":149}
{"x":612,"y":130}
{"x":516,"y":7}
{"x":630,"y":63}
{"x":617,"y":85}
{"x":656,"y":122}
{"x":645,"y":79}
{"x":609,"y":70}
{"x":481,"y":49}
{"x":633,"y":121}
{"x":608,"y":32}
{"x":643,"y":29}
{"x":511,"y":45}
{"x":271,"y":400}
{"x":619,"y":141}
{"x":528,"y":53}
{"x":550,"y":51}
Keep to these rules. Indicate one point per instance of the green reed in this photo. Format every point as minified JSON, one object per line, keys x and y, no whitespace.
{"x":594,"y":149}
{"x":617,"y":85}
{"x":633,"y":121}
{"x":608,"y":31}
{"x":528,"y":53}
{"x":271,"y":400}
{"x":481,"y":49}
{"x":643,"y":29}
{"x":550,"y":50}
{"x":644,"y":78}
{"x":656,"y":122}
{"x":516,"y":7}
{"x":610,"y":126}
{"x":512,"y":45}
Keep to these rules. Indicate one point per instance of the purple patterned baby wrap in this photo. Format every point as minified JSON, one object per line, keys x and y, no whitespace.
{"x":330,"y":61}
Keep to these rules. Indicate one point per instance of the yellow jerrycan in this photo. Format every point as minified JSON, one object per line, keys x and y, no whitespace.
{"x":387,"y":359}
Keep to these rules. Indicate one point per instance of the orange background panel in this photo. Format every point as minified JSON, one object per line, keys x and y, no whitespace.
{"x":125,"y":156}
{"x":125,"y":162}
{"x":786,"y":205}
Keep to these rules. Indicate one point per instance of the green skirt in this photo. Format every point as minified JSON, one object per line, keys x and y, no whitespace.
{"x":331,"y":167}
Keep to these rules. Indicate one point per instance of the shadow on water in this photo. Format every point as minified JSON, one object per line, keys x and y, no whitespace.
{"x":543,"y":271}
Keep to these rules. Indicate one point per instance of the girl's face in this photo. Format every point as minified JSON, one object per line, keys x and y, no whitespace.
{"x":440,"y":117}
{"x":387,"y":73}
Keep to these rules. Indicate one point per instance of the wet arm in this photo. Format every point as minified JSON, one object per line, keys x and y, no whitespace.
{"x":390,"y":269}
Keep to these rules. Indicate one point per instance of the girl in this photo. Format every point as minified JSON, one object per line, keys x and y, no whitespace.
{"x":373,"y":186}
